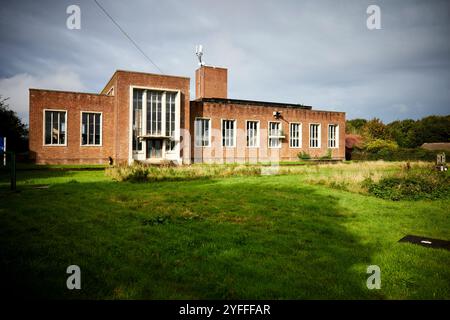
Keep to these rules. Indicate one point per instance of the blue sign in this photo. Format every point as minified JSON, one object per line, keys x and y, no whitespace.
{"x":2,"y":145}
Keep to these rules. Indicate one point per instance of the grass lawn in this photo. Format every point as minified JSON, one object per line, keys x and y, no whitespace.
{"x":259,"y":237}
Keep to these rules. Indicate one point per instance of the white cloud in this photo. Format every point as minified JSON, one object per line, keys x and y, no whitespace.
{"x":16,"y":87}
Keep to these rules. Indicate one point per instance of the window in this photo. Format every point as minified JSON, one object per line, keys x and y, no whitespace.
{"x":137,"y":119}
{"x":314,"y":135}
{"x":202,"y":130}
{"x":275,"y":135}
{"x":252,"y":134}
{"x":170,"y":120}
{"x":55,"y":127}
{"x":91,"y":129}
{"x":228,"y":133}
{"x":333,"y":133}
{"x":295,"y":135}
{"x":154,"y":112}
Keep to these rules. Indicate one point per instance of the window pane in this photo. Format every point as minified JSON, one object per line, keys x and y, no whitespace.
{"x":84,"y":128}
{"x":62,"y":127}
{"x":55,"y":127}
{"x":202,"y":132}
{"x":252,"y":133}
{"x":137,"y":119}
{"x":228,"y":132}
{"x":97,"y":128}
{"x":48,"y":127}
{"x":159,"y":119}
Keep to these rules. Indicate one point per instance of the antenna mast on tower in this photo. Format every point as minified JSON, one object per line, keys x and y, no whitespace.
{"x":199,"y":53}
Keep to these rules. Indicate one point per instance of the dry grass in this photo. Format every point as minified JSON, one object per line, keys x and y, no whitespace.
{"x":140,"y":172}
{"x":345,"y":175}
{"x":349,"y":176}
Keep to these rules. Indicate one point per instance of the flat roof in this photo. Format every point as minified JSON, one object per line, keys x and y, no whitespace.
{"x":71,"y":92}
{"x":254,"y":102}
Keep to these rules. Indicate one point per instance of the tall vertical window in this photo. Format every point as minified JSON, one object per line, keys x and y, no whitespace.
{"x":55,"y":127}
{"x":314,"y":135}
{"x":201,"y":132}
{"x":137,"y":119}
{"x":91,"y":128}
{"x":228,"y":133}
{"x":252,"y":134}
{"x":295,"y":135}
{"x":154,"y":117}
{"x":170,"y":120}
{"x":333,"y":136}
{"x":275,"y":135}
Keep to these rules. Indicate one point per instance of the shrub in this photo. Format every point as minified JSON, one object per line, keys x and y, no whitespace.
{"x":380,"y":145}
{"x":401,"y":154}
{"x":410,"y":186}
{"x":303,"y":155}
{"x":327,"y":156}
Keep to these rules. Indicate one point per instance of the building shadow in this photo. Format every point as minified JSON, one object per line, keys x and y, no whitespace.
{"x":253,"y":238}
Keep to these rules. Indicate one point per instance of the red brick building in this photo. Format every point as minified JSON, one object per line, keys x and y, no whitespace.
{"x":149,"y":118}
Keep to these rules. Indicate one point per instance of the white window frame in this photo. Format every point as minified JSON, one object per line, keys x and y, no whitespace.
{"x":336,"y":136}
{"x":257,"y":133}
{"x":154,"y":131}
{"x":141,"y":155}
{"x":101,"y":129}
{"x":209,"y":132}
{"x":44,"y":128}
{"x":299,"y":138}
{"x":233,"y":132}
{"x":172,"y":139}
{"x":278,"y":137}
{"x":319,"y":134}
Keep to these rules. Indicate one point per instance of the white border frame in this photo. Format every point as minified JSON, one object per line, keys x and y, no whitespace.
{"x":300,"y":137}
{"x":209,"y":132}
{"x":234,"y":132}
{"x":101,"y":129}
{"x":144,"y":111}
{"x":279,"y":137}
{"x":319,"y":133}
{"x":258,"y":138}
{"x":336,"y":138}
{"x":43,"y":129}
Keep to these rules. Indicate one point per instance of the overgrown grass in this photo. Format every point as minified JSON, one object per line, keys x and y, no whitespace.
{"x":352,"y":176}
{"x":142,"y":173}
{"x":248,"y":237}
{"x":411,"y":185}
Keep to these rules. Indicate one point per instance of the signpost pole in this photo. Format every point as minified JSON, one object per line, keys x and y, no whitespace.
{"x":4,"y":151}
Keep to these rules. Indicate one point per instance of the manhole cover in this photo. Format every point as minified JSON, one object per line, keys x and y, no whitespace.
{"x":427,"y":242}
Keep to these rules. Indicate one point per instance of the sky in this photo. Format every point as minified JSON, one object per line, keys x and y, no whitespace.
{"x":319,"y":53}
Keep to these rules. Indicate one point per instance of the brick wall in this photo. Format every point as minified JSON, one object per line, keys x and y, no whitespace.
{"x":123,"y":82}
{"x":211,"y":82}
{"x":73,"y":103}
{"x":264,"y":114}
{"x":116,"y":133}
{"x":115,"y":110}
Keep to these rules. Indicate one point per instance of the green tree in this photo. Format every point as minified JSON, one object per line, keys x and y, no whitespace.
{"x":355,"y":126}
{"x":375,"y":129}
{"x":401,"y":132}
{"x":430,"y":129}
{"x":12,"y":128}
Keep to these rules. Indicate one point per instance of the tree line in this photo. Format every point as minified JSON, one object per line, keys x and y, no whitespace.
{"x":404,"y":133}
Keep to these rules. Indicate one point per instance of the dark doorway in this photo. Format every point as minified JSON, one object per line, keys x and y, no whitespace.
{"x":154,"y":148}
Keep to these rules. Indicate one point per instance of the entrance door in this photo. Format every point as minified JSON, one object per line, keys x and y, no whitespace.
{"x":154,"y":149}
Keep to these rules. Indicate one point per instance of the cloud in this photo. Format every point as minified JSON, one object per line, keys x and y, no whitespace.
{"x":16,"y":87}
{"x":318,"y":53}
